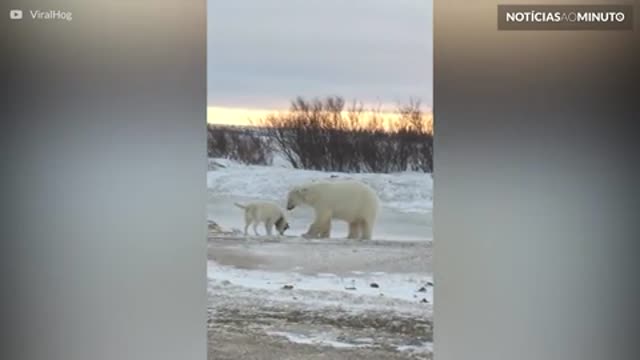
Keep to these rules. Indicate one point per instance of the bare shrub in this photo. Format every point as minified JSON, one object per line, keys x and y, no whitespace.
{"x":321,"y":134}
{"x":325,"y":134}
{"x":243,"y":145}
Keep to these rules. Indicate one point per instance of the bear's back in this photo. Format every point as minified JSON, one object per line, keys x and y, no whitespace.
{"x":350,"y":193}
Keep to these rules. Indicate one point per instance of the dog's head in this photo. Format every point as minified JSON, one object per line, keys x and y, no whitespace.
{"x":298,"y":195}
{"x":282,"y":225}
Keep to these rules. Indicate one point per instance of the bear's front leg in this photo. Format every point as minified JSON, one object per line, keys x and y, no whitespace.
{"x":313,"y":231}
{"x":321,"y":227}
{"x":310,"y":232}
{"x":325,"y":232}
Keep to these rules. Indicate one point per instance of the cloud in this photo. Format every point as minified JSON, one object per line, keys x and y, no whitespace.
{"x":263,"y":53}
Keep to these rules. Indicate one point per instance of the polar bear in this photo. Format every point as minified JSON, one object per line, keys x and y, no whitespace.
{"x":348,"y":200}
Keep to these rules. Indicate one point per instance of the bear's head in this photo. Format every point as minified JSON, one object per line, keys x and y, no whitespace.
{"x":298,"y":195}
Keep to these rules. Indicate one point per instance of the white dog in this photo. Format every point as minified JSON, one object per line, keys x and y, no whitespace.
{"x":264,"y":212}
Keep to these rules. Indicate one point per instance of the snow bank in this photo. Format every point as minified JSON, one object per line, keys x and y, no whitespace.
{"x":406,"y":191}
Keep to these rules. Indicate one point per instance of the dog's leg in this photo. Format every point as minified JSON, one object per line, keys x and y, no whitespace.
{"x":255,"y":228}
{"x":268,"y":226}
{"x":247,"y":222}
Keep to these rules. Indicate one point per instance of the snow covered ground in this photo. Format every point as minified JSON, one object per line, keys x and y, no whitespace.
{"x":407,"y":198}
{"x":408,"y":192}
{"x":369,"y":299}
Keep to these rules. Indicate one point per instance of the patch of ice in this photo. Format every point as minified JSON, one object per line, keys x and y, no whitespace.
{"x":322,"y":339}
{"x":364,"y":340}
{"x":425,"y":348}
{"x":329,"y":275}
{"x":391,"y":286}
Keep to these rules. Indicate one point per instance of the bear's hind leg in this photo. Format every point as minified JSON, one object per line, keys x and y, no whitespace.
{"x":366,"y":230}
{"x":354,"y":230}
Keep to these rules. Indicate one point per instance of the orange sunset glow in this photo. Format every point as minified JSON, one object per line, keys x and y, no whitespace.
{"x":244,"y":116}
{"x":236,"y":116}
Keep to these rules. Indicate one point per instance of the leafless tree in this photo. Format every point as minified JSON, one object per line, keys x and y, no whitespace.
{"x":323,"y":134}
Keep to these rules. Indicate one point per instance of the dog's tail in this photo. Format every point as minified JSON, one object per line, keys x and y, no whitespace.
{"x":240,"y":206}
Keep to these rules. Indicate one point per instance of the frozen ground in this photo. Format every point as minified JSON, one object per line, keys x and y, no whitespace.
{"x":293,"y":298}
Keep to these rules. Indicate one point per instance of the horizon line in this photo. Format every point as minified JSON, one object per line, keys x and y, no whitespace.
{"x":221,"y":115}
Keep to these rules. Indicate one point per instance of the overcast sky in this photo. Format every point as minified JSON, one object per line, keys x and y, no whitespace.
{"x":263,"y":53}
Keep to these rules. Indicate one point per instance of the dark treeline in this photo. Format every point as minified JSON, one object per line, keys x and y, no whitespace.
{"x":325,"y":134}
